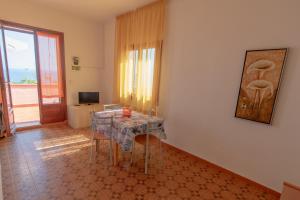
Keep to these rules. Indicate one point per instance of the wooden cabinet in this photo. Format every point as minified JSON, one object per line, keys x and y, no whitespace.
{"x":79,"y":116}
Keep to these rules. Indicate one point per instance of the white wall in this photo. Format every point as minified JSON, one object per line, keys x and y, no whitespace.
{"x":202,"y":65}
{"x":83,"y":38}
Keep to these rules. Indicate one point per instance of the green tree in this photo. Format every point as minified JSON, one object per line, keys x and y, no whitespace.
{"x":28,"y":81}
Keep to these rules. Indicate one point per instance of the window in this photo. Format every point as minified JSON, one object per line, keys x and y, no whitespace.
{"x":139,"y":74}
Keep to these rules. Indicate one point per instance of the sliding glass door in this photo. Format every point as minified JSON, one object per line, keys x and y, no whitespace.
{"x":51,"y":77}
{"x":7,"y":106}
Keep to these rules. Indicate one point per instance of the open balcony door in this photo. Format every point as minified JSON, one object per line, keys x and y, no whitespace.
{"x":51,"y":77}
{"x":7,"y":106}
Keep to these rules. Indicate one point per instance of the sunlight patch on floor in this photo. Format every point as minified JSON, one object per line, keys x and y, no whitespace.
{"x":58,"y":142}
{"x":49,"y":154}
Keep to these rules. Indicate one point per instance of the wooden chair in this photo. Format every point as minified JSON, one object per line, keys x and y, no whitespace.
{"x":290,"y":192}
{"x":101,"y":131}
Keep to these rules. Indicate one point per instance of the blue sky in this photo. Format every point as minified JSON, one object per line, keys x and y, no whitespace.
{"x":20,"y":50}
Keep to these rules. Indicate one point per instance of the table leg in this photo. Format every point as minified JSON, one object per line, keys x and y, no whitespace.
{"x":116,"y":153}
{"x":147,"y":154}
{"x":97,"y":145}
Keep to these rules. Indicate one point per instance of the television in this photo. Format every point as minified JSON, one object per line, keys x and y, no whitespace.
{"x":88,"y":97}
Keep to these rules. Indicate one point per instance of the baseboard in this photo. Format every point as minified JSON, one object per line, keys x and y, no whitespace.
{"x":28,"y":128}
{"x":55,"y":124}
{"x":295,"y":187}
{"x":271,"y":191}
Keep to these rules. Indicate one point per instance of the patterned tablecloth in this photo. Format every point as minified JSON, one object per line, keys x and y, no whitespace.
{"x":124,"y":129}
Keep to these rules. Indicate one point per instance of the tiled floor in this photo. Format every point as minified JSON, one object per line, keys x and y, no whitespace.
{"x":53,"y":163}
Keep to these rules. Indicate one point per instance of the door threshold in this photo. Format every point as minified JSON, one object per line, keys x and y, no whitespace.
{"x":38,"y":125}
{"x":27,"y":125}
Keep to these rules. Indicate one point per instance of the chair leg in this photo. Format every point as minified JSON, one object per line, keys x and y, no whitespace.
{"x":110,"y":152}
{"x":147,"y":154}
{"x":132,"y":152}
{"x":161,"y":153}
{"x":92,"y":143}
{"x":97,"y":145}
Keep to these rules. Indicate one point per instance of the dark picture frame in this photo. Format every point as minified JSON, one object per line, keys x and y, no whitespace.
{"x":260,"y":82}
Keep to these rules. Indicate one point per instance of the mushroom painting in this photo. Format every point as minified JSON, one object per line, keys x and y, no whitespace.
{"x":259,"y":85}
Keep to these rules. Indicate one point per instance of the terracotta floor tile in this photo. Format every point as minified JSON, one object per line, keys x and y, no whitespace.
{"x":53,"y":163}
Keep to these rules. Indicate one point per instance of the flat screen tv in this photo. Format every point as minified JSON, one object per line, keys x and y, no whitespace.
{"x":88,"y":97}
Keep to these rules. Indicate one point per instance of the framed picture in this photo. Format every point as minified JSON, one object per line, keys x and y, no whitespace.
{"x":259,"y":84}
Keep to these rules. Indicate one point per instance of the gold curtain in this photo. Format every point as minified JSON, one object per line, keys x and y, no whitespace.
{"x":139,"y":38}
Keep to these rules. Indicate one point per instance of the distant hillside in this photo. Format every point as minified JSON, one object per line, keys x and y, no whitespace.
{"x":19,"y":75}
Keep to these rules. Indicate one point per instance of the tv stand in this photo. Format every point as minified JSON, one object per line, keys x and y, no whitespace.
{"x":79,"y":115}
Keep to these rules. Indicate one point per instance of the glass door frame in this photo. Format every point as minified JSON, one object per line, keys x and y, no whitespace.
{"x":19,"y":30}
{"x":7,"y":105}
{"x":50,"y":112}
{"x":33,"y":30}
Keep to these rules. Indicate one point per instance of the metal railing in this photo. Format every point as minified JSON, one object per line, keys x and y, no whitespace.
{"x":24,"y":95}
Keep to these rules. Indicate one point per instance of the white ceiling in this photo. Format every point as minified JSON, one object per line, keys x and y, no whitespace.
{"x":98,"y":10}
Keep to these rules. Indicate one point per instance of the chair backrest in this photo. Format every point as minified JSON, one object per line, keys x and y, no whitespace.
{"x":102,"y":123}
{"x":112,"y":107}
{"x":155,"y":128}
{"x":290,"y":192}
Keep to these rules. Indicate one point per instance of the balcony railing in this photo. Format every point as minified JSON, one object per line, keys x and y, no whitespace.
{"x":25,"y":102}
{"x":24,"y":95}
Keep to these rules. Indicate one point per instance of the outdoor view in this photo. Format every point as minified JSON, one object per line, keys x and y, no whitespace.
{"x":23,"y":77}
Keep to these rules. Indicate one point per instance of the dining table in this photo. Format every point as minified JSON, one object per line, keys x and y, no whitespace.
{"x":124,"y":129}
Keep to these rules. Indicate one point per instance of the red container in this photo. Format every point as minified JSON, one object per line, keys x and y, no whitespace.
{"x":127,"y":112}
